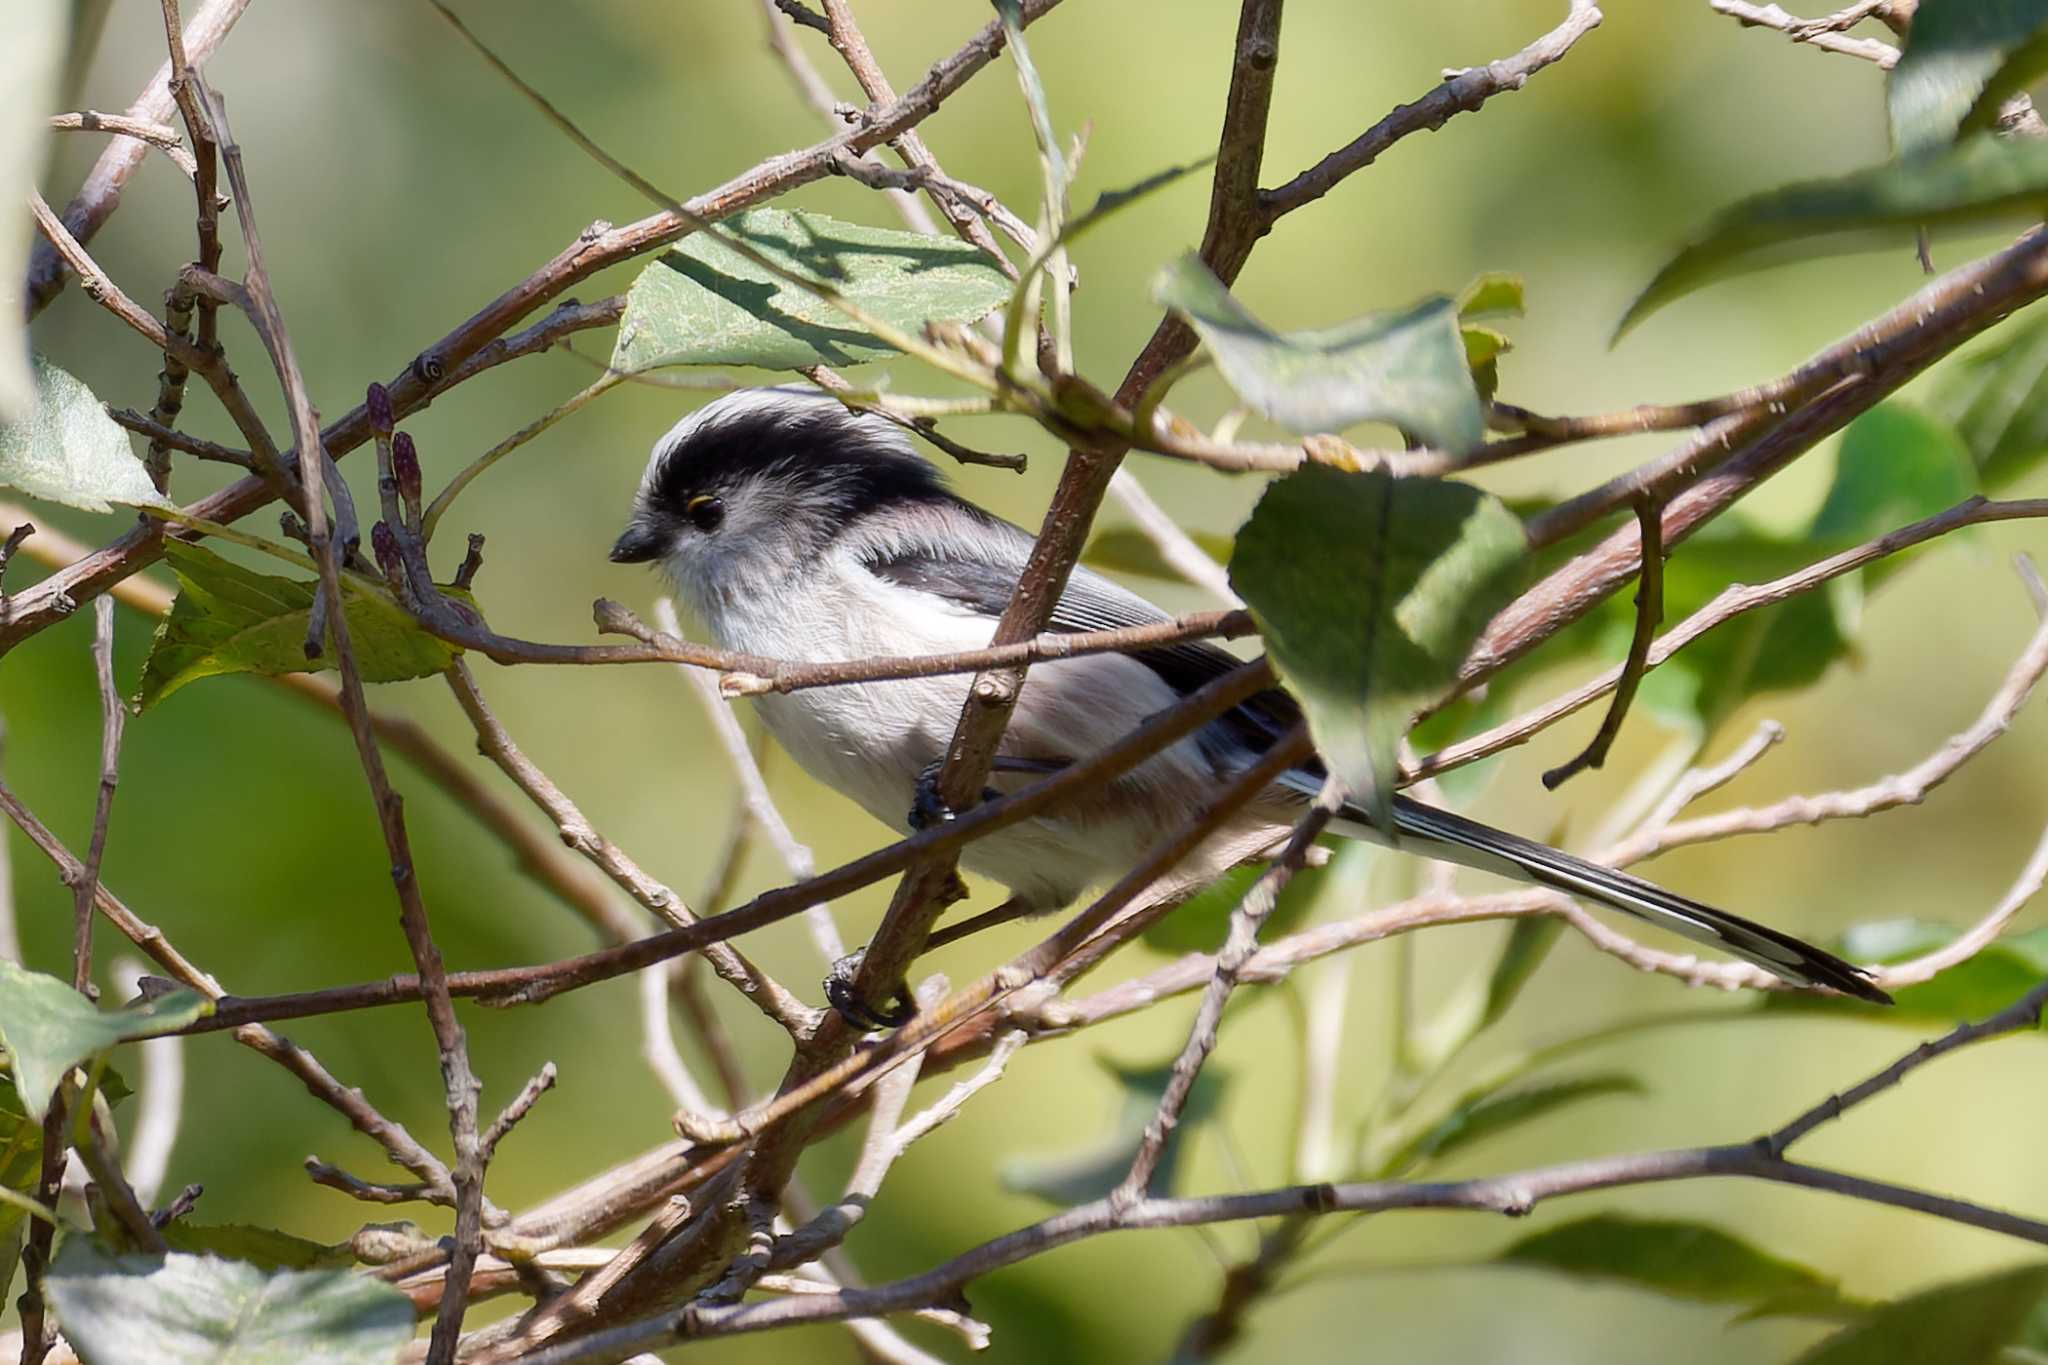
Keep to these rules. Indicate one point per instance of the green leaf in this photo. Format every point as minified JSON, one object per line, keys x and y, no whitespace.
{"x":228,"y":619}
{"x":1123,"y":550}
{"x":48,"y":1028}
{"x":1962,"y":58}
{"x":1977,"y":183}
{"x":31,"y":63}
{"x":68,"y":450}
{"x":1530,"y":940}
{"x":1090,"y":1172}
{"x":1197,"y":924}
{"x":1987,"y":982}
{"x":702,"y":303}
{"x":261,"y":1247}
{"x":1997,"y":398}
{"x":1679,"y":1259}
{"x":198,"y":1310}
{"x":1477,"y":1119}
{"x":1495,"y":294}
{"x":1483,"y":345}
{"x":1407,"y":369}
{"x":1967,"y":1322}
{"x":1897,"y":464}
{"x":1369,"y":589}
{"x":21,"y":1168}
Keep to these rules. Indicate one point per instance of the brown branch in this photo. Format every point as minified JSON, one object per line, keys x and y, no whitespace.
{"x":1461,"y":93}
{"x":316,"y":468}
{"x":1649,"y":615}
{"x":161,"y":433}
{"x":1731,"y":602}
{"x":112,"y":715}
{"x":496,"y":744}
{"x":530,"y":985}
{"x":100,"y":195}
{"x":161,"y":136}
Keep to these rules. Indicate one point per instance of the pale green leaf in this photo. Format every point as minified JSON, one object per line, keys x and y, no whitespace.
{"x":264,"y":1248}
{"x":1683,"y":1260}
{"x":1479,"y":1118}
{"x":48,"y":1028}
{"x":199,"y":1310}
{"x":1530,"y":940}
{"x":1979,"y":182}
{"x":68,"y":450}
{"x":228,"y":619}
{"x":1407,"y":369}
{"x":1368,"y":590}
{"x":1494,"y":294}
{"x":1967,"y":1322}
{"x":1961,"y":59}
{"x":702,"y":303}
{"x":1997,"y":399}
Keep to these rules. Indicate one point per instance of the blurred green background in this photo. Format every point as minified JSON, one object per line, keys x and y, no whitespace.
{"x":400,"y":185}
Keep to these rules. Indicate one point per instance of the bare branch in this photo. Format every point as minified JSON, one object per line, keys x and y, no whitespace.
{"x":1822,"y":34}
{"x":1649,"y":615}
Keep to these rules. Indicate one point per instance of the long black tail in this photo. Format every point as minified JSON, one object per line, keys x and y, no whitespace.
{"x":1440,"y":834}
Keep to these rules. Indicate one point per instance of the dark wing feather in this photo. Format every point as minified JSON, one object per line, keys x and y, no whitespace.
{"x":984,"y":581}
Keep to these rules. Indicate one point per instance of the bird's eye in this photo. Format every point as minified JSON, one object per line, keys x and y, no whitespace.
{"x":705,"y":512}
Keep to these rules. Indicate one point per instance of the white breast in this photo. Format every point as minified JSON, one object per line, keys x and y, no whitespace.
{"x":871,"y":740}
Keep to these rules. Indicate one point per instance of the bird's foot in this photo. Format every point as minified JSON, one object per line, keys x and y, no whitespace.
{"x":898,"y":1009}
{"x":928,"y":807}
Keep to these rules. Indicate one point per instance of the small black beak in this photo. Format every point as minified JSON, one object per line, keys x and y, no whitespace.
{"x":637,"y":546}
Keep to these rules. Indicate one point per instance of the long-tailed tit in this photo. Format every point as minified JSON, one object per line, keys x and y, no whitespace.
{"x":796,"y":529}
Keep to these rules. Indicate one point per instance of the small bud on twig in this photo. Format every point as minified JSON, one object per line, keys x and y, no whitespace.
{"x":472,"y":560}
{"x":384,"y":543}
{"x":405,"y":467}
{"x":382,"y":418}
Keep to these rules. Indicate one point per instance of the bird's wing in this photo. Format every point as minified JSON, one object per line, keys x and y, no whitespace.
{"x":982,"y":577}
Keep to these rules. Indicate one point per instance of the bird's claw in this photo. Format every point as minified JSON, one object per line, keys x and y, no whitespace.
{"x":894,"y":1012}
{"x":928,"y":807}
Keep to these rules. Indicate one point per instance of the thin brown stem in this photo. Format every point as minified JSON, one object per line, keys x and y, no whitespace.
{"x":1649,"y":615}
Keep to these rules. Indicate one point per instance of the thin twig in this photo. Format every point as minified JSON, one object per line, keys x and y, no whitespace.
{"x":496,"y":744}
{"x":1649,"y":615}
{"x":1824,"y":35}
{"x":161,"y":136}
{"x":1240,"y":942}
{"x":112,"y":714}
{"x":100,"y":195}
{"x":159,"y":1098}
{"x":522,"y":1103}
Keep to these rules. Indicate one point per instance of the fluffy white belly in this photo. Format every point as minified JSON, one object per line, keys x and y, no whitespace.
{"x":870,"y":741}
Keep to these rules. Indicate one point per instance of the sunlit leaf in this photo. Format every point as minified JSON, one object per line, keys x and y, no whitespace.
{"x":228,"y":619}
{"x":1979,"y":182}
{"x":200,"y":1310}
{"x":1683,"y":1260}
{"x":31,"y":61}
{"x":48,"y":1028}
{"x":68,"y":450}
{"x":1985,"y":983}
{"x":1368,"y":590}
{"x":1968,"y":1322}
{"x":1961,"y":59}
{"x":1407,"y":369}
{"x":1480,"y":1118}
{"x":1123,"y":550}
{"x":21,"y":1168}
{"x":702,"y":303}
{"x":1092,"y":1171}
{"x":1494,"y":294}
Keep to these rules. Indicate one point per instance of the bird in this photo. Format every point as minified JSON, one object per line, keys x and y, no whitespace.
{"x":794,"y":527}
